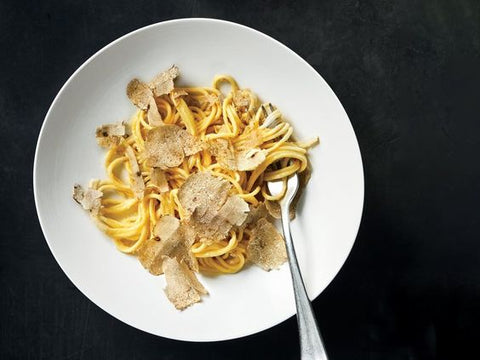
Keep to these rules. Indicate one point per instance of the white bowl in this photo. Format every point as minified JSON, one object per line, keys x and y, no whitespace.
{"x":238,"y":305}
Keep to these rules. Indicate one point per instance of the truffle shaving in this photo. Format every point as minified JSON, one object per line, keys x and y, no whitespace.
{"x":139,"y":94}
{"x":255,"y":214}
{"x":110,"y":134}
{"x":274,"y":210}
{"x":223,"y":150}
{"x":159,"y":179}
{"x":154,"y":117}
{"x":212,"y":212}
{"x":162,"y":84}
{"x":211,"y":99}
{"x":266,"y":247}
{"x":243,"y":160}
{"x":90,"y":199}
{"x":166,"y":146}
{"x":250,"y":159}
{"x":203,"y":194}
{"x":241,"y":98}
{"x":172,"y":239}
{"x":142,"y":97}
{"x":183,"y":288}
{"x":138,"y":184}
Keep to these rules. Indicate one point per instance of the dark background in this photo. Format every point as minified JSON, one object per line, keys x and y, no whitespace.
{"x":408,"y":74}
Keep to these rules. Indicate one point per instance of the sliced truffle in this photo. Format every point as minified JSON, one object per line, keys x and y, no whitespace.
{"x":232,"y":213}
{"x":241,"y":98}
{"x":110,"y":134}
{"x":166,"y":146}
{"x":142,"y":97}
{"x":266,"y":247}
{"x":250,"y":159}
{"x":159,"y":179}
{"x":162,"y":84}
{"x":212,"y":212}
{"x":139,"y":94}
{"x":174,"y":240}
{"x":138,"y":184}
{"x":183,"y":288}
{"x":166,"y":227}
{"x":255,"y":214}
{"x":154,"y":117}
{"x":211,"y":99}
{"x":203,"y":194}
{"x":250,"y":139}
{"x":274,"y":210}
{"x":243,"y":160}
{"x":191,"y":145}
{"x":224,"y":153}
{"x":90,"y":199}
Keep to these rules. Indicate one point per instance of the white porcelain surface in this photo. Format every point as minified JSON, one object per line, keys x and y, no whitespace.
{"x":238,"y":305}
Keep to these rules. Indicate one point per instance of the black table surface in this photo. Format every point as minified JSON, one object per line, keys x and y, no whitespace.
{"x":407,"y":73}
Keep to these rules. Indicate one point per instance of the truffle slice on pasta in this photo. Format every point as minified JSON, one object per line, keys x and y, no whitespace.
{"x":183,"y":288}
{"x":256,"y":213}
{"x":203,"y":194}
{"x":250,"y":159}
{"x":232,"y":214}
{"x":141,"y":96}
{"x":166,"y":146}
{"x":211,"y":211}
{"x":172,"y":239}
{"x":234,"y":159}
{"x":159,"y":179}
{"x":162,"y":83}
{"x":266,"y":247}
{"x":138,"y":185}
{"x":241,"y":99}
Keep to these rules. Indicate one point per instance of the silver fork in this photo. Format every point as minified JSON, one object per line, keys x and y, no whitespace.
{"x":311,"y":344}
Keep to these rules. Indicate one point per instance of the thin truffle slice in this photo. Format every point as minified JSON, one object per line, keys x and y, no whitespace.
{"x":203,"y":194}
{"x":166,"y":146}
{"x":274,"y":210}
{"x":232,"y":213}
{"x":142,"y":97}
{"x":139,"y":94}
{"x":173,"y":240}
{"x":250,"y":139}
{"x":224,"y":152}
{"x":211,"y":212}
{"x":138,"y":184}
{"x":154,"y":117}
{"x":90,"y":199}
{"x":255,"y":214}
{"x":241,"y":98}
{"x":250,"y":159}
{"x":162,"y":84}
{"x":243,"y":160}
{"x":109,"y":135}
{"x":266,"y":247}
{"x":211,"y":99}
{"x":183,"y":288}
{"x":159,"y":179}
{"x":166,"y":227}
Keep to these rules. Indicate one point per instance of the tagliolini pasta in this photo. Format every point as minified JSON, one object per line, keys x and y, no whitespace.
{"x":186,"y":181}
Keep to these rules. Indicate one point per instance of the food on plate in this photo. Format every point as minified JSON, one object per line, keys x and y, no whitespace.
{"x":186,"y":187}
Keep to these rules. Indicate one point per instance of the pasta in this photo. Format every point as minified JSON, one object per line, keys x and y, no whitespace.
{"x":132,"y":203}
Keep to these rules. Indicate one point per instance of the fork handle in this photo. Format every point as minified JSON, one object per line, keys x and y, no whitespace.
{"x":311,"y":344}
